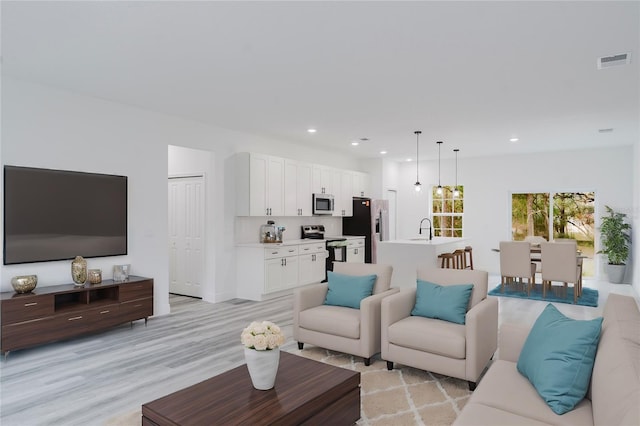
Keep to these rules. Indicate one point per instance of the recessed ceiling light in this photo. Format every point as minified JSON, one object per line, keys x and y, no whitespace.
{"x":311,"y":130}
{"x":513,"y":139}
{"x":383,"y":152}
{"x":355,"y":143}
{"x":409,"y":159}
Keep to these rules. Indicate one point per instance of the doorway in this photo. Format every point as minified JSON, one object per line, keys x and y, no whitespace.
{"x":392,"y":196}
{"x":186,"y":235}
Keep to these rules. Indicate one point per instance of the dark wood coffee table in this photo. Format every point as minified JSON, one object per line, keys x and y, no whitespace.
{"x":306,"y":392}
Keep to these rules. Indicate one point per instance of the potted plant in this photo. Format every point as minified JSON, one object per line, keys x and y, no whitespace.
{"x":615,"y":235}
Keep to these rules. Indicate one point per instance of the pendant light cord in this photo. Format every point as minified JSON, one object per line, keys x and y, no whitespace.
{"x":417,"y":132}
{"x":439,"y":144}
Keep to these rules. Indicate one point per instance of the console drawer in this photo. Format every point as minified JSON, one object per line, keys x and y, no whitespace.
{"x":27,"y":307}
{"x":136,"y":309}
{"x":136,"y":290}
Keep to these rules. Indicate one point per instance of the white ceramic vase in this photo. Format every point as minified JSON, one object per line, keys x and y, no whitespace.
{"x":263,"y":367}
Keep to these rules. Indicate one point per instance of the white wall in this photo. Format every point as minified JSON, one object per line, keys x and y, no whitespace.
{"x":635,"y":238}
{"x":489,"y":182}
{"x":46,"y":127}
{"x":52,"y":129}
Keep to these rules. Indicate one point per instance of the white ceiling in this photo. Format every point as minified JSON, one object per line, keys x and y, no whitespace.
{"x":472,"y":74}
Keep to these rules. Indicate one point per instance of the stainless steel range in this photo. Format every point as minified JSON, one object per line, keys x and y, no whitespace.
{"x":335,"y":246}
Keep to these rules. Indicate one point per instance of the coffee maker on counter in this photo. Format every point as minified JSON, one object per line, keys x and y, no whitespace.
{"x":270,"y":233}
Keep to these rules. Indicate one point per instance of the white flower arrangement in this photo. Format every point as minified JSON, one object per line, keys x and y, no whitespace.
{"x":262,"y":336}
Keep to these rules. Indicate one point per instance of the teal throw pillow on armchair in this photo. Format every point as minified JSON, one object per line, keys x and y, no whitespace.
{"x":557,"y":358}
{"x":445,"y":302}
{"x":348,"y":290}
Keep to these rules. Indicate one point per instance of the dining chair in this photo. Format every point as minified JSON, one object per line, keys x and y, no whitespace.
{"x":535,"y":241}
{"x":560,"y":263}
{"x":516,"y":265}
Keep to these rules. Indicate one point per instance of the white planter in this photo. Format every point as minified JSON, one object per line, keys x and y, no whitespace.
{"x":263,"y":367}
{"x":615,"y":273}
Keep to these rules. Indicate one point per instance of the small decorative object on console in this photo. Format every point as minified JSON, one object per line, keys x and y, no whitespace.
{"x":24,"y":283}
{"x":262,"y":342}
{"x":95,"y":276}
{"x":79,"y":270}
{"x":121,"y":272}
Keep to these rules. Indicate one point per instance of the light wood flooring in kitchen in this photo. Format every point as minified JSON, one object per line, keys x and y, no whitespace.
{"x":88,"y":380}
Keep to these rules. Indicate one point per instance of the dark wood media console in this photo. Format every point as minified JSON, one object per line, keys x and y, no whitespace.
{"x":59,"y":312}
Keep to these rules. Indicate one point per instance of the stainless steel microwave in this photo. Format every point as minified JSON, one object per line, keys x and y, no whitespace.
{"x":323,"y":204}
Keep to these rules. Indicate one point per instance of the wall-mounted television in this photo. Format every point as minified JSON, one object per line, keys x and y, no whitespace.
{"x":60,"y":214}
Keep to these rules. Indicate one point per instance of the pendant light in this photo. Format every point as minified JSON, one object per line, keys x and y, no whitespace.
{"x":456,"y":191}
{"x":439,"y":189}
{"x":417,"y":185}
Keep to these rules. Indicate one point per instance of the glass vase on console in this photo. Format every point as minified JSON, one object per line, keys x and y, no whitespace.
{"x":79,"y":270}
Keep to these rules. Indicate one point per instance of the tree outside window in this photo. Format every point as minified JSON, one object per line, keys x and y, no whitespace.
{"x":448,"y":212}
{"x":559,"y":214}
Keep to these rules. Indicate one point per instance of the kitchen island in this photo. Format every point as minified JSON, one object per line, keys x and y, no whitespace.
{"x":406,"y":256}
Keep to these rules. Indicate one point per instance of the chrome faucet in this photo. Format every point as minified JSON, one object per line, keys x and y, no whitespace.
{"x":430,"y":228}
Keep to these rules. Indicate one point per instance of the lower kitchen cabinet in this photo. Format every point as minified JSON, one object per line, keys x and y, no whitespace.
{"x":265,"y":272}
{"x":355,"y":250}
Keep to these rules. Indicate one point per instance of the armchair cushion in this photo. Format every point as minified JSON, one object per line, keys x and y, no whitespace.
{"x":447,"y":303}
{"x":332,"y":320}
{"x":558,"y":357}
{"x":429,"y":335}
{"x":348,"y":290}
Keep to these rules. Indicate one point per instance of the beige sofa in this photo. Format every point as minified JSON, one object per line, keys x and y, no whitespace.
{"x":504,"y":397}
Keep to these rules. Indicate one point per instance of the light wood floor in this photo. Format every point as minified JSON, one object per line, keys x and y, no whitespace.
{"x":86,"y":381}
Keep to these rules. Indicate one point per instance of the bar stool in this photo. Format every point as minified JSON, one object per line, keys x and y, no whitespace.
{"x":468,"y":251}
{"x":460,"y":259}
{"x":447,"y":260}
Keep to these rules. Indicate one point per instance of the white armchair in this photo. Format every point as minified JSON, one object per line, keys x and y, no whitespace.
{"x":338,"y":328}
{"x":456,"y":350}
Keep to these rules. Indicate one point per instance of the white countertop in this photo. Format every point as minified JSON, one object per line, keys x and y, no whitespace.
{"x":297,"y":242}
{"x":425,"y":240}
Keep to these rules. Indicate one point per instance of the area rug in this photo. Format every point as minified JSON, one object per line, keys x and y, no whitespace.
{"x":404,"y":396}
{"x":557,"y":294}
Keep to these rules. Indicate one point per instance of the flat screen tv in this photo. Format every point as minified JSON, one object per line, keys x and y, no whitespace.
{"x":59,"y":214}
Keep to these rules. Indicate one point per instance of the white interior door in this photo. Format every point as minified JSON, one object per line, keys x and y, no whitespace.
{"x":186,"y":235}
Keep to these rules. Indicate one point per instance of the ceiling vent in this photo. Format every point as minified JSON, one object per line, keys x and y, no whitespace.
{"x":614,"y":61}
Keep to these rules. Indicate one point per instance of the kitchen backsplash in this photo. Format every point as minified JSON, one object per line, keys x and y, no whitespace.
{"x":247,"y":229}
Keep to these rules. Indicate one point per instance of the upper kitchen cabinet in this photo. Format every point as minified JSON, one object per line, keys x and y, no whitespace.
{"x":322,"y":180}
{"x":260,"y":185}
{"x":361,"y":184}
{"x":343,"y":192}
{"x":297,"y":188}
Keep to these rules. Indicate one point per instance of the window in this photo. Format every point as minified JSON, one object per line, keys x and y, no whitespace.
{"x":448,"y":212}
{"x":559,"y":215}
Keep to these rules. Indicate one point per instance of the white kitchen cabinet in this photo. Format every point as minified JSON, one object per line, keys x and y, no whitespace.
{"x":322,"y":180}
{"x":311,"y":263}
{"x":297,"y":188}
{"x":259,"y":184}
{"x":355,"y":250}
{"x":264,"y":271}
{"x":281,"y":273}
{"x":343,"y":192}
{"x":361,"y":184}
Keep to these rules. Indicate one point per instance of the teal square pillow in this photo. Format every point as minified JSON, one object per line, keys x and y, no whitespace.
{"x":558,"y":357}
{"x":445,"y":302}
{"x":348,"y":290}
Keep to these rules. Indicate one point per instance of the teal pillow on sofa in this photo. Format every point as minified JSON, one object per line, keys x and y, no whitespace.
{"x":445,"y":302}
{"x":557,"y":358}
{"x":348,"y":290}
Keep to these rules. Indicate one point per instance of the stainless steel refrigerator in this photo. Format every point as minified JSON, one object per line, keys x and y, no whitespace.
{"x":371,"y":220}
